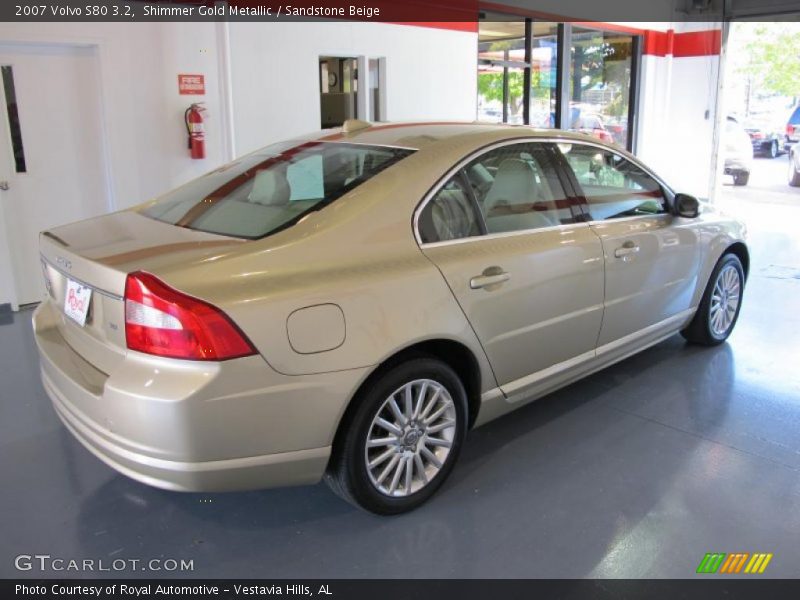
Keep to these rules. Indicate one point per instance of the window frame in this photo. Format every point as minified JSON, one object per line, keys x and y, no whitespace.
{"x":563,"y":163}
{"x":548,"y":143}
{"x":564,"y":66}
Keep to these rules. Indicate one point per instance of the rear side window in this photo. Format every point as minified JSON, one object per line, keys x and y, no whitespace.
{"x":450,"y":215}
{"x":272,"y":189}
{"x":614,"y":186}
{"x":795,"y":118}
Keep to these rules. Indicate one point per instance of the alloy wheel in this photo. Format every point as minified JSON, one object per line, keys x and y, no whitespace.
{"x":410,"y":438}
{"x":724,"y":300}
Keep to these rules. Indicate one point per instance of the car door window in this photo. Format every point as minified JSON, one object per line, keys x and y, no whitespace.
{"x":450,"y":215}
{"x":517,"y":188}
{"x":614,"y":187}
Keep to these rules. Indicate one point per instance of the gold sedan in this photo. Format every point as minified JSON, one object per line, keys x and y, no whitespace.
{"x":349,"y":304}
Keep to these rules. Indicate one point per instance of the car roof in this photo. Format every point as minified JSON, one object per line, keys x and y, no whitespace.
{"x":424,"y":135}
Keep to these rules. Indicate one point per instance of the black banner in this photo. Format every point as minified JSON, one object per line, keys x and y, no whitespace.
{"x":382,"y":589}
{"x":450,"y":11}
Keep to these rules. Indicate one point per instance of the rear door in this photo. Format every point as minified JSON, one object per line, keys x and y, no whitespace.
{"x":651,"y":257}
{"x":527,"y":273}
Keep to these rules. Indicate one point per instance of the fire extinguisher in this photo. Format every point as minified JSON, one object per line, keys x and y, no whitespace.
{"x":194,"y":128}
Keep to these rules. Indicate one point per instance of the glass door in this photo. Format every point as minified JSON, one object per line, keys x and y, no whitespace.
{"x":544,"y":74}
{"x":502,"y":66}
{"x":601,"y":65}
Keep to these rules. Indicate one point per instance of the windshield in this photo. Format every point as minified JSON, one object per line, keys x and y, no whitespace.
{"x":272,"y":189}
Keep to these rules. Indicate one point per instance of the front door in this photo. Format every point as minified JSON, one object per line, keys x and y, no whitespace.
{"x":52,"y":168}
{"x":651,"y":261}
{"x":527,"y":273}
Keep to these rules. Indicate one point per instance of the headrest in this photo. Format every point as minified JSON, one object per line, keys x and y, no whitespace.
{"x":514,"y":183}
{"x":270,"y":188}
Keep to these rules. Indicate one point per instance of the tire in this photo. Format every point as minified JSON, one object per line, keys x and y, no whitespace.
{"x":773,"y":149}
{"x":741,"y":178}
{"x":794,"y":174}
{"x":703,"y":329}
{"x":372,"y":489}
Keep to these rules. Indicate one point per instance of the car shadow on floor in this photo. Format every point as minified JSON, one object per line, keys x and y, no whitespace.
{"x":518,"y":462}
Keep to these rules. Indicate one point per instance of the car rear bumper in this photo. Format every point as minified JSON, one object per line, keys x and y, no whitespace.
{"x":764,"y":145}
{"x":737,"y":165}
{"x":288,"y":468}
{"x":192,"y":426}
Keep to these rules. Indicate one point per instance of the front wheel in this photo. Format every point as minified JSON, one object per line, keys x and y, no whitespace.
{"x":719,"y":309}
{"x":403,"y":438}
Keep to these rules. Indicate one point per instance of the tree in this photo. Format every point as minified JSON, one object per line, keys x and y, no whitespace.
{"x":770,"y":57}
{"x":490,"y":87}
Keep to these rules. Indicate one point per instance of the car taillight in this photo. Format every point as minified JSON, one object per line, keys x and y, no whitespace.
{"x":162,"y":321}
{"x":757,"y":135}
{"x":789,"y":129}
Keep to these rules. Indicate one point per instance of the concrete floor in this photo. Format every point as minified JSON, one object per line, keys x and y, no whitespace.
{"x":637,"y":471}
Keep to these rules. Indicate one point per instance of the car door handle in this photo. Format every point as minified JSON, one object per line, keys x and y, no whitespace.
{"x":626,"y":249}
{"x":490,"y":276}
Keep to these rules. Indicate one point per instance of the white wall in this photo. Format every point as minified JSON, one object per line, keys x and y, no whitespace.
{"x":6,"y":272}
{"x":430,"y":74}
{"x":143,"y":113}
{"x":686,"y":156}
{"x":678,"y":115}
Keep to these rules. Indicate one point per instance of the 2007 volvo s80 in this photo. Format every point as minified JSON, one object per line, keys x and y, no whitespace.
{"x":347,"y":305}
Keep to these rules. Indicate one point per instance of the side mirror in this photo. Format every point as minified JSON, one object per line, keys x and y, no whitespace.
{"x":686,"y":206}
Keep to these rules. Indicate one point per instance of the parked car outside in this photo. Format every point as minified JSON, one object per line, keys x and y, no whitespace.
{"x":593,"y":125}
{"x":348,"y":305}
{"x":490,"y":114}
{"x":767,"y":141}
{"x":737,"y":152}
{"x":793,"y":126}
{"x":618,"y":127}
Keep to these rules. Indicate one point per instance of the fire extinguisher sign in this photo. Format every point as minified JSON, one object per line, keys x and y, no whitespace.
{"x":191,"y":85}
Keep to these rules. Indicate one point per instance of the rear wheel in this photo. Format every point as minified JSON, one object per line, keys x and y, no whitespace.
{"x":741,"y":178}
{"x":403,"y":439}
{"x":773,"y":149}
{"x":794,"y":174}
{"x":719,"y":309}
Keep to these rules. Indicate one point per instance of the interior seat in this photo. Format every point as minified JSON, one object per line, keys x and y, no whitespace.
{"x":508,"y":204}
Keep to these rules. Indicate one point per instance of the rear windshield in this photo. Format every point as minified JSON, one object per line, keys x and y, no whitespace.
{"x":272,"y":189}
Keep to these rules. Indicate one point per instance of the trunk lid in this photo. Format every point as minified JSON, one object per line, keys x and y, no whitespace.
{"x":99,"y":253}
